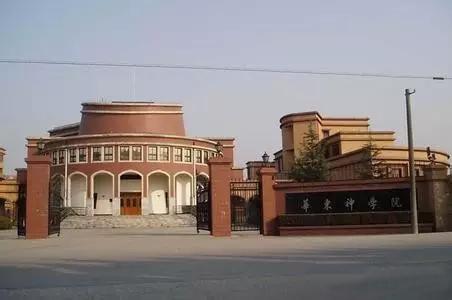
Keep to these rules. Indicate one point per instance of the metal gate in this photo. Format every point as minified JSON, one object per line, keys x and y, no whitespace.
{"x":203,"y":208}
{"x":245,"y":206}
{"x":22,"y":210}
{"x":55,"y":205}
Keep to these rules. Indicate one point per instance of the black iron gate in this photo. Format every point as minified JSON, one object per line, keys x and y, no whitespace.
{"x":55,"y":205}
{"x":203,"y":208}
{"x":245,"y":205}
{"x":22,"y":210}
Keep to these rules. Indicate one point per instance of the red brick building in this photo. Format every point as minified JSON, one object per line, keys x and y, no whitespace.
{"x":130,"y":158}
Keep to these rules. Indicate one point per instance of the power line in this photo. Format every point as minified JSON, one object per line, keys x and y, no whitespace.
{"x":215,"y":68}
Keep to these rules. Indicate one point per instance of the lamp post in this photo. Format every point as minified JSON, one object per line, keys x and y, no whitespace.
{"x":265,"y":158}
{"x":414,"y":221}
{"x":219,"y":148}
{"x":40,"y":145}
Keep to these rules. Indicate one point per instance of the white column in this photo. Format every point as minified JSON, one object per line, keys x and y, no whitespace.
{"x":66,"y":201}
{"x":172,"y":205}
{"x":116,"y":207}
{"x":90,"y":206}
{"x":145,"y":207}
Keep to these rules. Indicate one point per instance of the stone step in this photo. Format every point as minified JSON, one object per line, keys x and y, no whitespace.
{"x":151,"y":221}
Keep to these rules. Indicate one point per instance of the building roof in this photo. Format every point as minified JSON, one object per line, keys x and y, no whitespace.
{"x":316,"y":113}
{"x":63,"y":127}
{"x":129,"y":103}
{"x":366,"y":135}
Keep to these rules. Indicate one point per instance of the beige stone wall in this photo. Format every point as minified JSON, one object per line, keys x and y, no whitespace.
{"x":351,"y":134}
{"x":395,"y":158}
{"x":9,"y":192}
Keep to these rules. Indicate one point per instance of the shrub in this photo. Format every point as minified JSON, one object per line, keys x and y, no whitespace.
{"x":5,"y":223}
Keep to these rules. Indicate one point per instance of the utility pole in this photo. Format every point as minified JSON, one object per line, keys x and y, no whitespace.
{"x":414,"y":221}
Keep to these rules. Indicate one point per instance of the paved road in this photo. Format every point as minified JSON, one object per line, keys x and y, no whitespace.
{"x":175,"y":264}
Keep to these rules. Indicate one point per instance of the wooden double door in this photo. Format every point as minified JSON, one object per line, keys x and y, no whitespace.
{"x":130,"y":203}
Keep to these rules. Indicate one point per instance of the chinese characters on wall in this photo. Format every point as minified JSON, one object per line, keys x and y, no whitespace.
{"x":348,"y":202}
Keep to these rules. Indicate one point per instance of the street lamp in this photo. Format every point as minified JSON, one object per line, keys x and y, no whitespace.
{"x":265,"y":157}
{"x":40,"y":144}
{"x":219,"y":148}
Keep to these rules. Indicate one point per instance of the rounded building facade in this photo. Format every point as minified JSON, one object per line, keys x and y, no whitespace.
{"x":130,"y":158}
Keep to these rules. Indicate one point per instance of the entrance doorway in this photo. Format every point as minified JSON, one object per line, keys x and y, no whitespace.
{"x":130,"y":203}
{"x":130,"y":192}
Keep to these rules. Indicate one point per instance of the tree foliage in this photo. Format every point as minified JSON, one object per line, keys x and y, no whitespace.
{"x":310,"y":165}
{"x":370,"y":167}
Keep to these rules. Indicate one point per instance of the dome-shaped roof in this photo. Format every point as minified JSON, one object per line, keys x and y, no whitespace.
{"x":131,"y":117}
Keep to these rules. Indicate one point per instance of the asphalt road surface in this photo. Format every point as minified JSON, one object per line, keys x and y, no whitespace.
{"x":178,"y":264}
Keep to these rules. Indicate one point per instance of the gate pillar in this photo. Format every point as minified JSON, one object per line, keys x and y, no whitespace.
{"x":37,"y":203}
{"x":220,"y":176}
{"x":269,"y":224}
{"x":438,"y":194}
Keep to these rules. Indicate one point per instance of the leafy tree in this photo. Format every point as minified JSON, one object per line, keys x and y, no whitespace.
{"x":310,"y":165}
{"x":369,"y":166}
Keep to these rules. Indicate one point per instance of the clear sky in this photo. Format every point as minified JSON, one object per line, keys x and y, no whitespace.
{"x":409,"y":37}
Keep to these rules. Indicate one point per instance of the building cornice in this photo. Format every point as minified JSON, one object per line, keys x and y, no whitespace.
{"x":388,"y":148}
{"x":123,"y":135}
{"x":132,"y":112}
{"x":324,"y":121}
{"x":131,"y":103}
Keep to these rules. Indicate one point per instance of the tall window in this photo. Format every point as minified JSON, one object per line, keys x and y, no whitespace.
{"x":206,"y":156}
{"x":177,"y":154}
{"x":136,"y":153}
{"x":72,"y":155}
{"x":187,"y":155}
{"x":108,"y":153}
{"x":55,"y":157}
{"x":335,"y":149}
{"x":97,"y":153}
{"x":164,"y":153}
{"x":61,"y":157}
{"x":124,"y":153}
{"x":152,"y":153}
{"x":198,"y":156}
{"x":81,"y":154}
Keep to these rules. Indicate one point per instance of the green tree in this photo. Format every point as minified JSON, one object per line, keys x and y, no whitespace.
{"x":310,"y":165}
{"x":370,"y":167}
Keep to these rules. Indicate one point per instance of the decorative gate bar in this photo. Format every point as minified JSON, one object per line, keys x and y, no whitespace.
{"x":22,"y":210}
{"x":245,"y":205}
{"x":203,"y":208}
{"x":55,"y":205}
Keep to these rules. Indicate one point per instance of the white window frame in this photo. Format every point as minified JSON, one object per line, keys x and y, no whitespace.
{"x":156,"y":153}
{"x":159,"y":154}
{"x":131,"y":154}
{"x":191,"y":155}
{"x":204,"y":161}
{"x":69,"y":155}
{"x":55,"y":157}
{"x":119,"y":153}
{"x":64,"y":156}
{"x":182,"y":155}
{"x":78,"y":155}
{"x":103,"y":153}
{"x":195,"y":151}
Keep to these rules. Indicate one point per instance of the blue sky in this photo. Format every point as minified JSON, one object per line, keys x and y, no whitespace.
{"x":408,"y":37}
